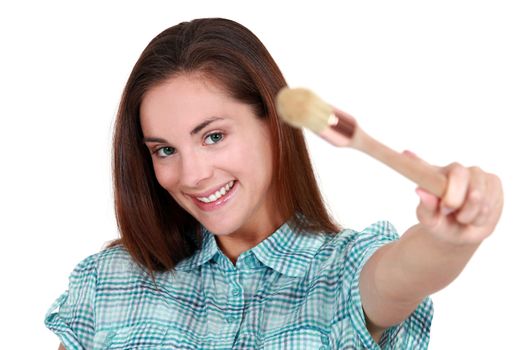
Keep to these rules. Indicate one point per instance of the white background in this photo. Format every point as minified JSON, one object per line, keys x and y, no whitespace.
{"x":444,"y":79}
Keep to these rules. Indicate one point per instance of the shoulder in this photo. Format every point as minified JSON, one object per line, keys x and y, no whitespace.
{"x":111,"y":261}
{"x":92,"y":299}
{"x":116,"y":258}
{"x":349,"y":249}
{"x":376,"y":234}
{"x":356,"y":249}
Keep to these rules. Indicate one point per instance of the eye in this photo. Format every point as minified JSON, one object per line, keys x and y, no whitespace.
{"x":164,"y":152}
{"x":214,"y":138}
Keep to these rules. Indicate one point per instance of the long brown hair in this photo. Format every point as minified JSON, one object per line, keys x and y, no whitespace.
{"x":154,"y":229}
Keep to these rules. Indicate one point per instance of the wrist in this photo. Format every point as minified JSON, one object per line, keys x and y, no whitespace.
{"x":448,"y":243}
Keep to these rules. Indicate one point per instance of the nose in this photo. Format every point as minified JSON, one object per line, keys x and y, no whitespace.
{"x":196,"y":167}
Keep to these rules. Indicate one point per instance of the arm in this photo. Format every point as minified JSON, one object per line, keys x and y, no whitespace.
{"x":61,"y":347}
{"x":432,"y":253}
{"x":400,"y":275}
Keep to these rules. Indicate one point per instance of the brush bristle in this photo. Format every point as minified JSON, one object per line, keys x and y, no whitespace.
{"x":302,"y":108}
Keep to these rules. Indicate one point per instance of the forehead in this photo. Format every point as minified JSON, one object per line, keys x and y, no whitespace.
{"x":183,"y":98}
{"x":173,"y":109}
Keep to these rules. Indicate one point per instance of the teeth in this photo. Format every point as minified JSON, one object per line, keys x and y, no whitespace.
{"x":221,"y":192}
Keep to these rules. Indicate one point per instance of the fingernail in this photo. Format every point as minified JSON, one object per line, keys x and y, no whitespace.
{"x":446,"y":211}
{"x":423,"y":196}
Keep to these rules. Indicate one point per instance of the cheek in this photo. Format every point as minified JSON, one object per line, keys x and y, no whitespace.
{"x":256,"y":163}
{"x":264,"y":156}
{"x":167,"y":178}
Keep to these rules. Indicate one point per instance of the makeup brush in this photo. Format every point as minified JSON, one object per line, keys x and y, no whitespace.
{"x":302,"y":108}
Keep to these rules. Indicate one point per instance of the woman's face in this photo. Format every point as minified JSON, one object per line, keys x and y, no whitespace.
{"x":212,"y":154}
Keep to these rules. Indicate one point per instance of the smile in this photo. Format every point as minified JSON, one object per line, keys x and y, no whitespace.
{"x":218,"y":199}
{"x":218,"y":194}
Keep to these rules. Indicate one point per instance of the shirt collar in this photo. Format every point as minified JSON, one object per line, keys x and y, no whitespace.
{"x":207,"y":251}
{"x":287,"y":250}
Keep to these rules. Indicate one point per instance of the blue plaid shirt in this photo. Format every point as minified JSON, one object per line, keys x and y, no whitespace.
{"x":291,"y":291}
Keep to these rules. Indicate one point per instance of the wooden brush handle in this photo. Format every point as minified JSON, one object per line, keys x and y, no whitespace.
{"x":423,"y":174}
{"x":343,"y":131}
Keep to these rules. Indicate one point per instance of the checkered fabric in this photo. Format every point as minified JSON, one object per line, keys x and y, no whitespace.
{"x":294,"y":290}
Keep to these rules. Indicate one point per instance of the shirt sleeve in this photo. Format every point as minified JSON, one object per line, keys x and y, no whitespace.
{"x":72,"y":315}
{"x":413,"y":332}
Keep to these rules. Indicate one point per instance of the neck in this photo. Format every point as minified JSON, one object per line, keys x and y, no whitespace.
{"x":236,"y":243}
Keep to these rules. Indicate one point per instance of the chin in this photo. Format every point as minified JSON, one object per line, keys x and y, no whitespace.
{"x":219,"y":228}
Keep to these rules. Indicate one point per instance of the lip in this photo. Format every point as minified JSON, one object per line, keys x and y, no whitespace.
{"x":208,"y":193}
{"x":219,"y":202}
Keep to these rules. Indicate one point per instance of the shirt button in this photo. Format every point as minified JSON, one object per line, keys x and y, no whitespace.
{"x":110,"y":336}
{"x":325,"y":340}
{"x":323,"y":347}
{"x":236,"y":291}
{"x":231,"y":319}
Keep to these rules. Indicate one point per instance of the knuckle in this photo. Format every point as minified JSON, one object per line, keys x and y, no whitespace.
{"x":458,"y":171}
{"x":476,"y":169}
{"x":456,"y":165}
{"x":463,"y":218}
{"x":496,"y":180}
{"x":484,"y":211}
{"x":475,"y":196}
{"x":463,"y":171}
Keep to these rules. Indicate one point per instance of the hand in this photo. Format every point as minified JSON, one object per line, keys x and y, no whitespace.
{"x":470,"y":208}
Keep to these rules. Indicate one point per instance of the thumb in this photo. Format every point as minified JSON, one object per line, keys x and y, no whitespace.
{"x":428,"y":209}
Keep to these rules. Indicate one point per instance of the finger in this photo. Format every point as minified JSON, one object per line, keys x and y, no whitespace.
{"x":427,"y":210}
{"x":493,"y":203}
{"x":483,"y":216}
{"x":474,"y":202}
{"x":457,"y":187}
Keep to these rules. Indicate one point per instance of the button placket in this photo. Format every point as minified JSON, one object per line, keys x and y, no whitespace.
{"x":236,"y":298}
{"x":325,"y":341}
{"x":235,"y":287}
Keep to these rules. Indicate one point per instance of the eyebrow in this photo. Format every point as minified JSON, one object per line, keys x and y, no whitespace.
{"x":193,"y":132}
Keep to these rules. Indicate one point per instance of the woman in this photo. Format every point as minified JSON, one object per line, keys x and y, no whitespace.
{"x":225,"y":239}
